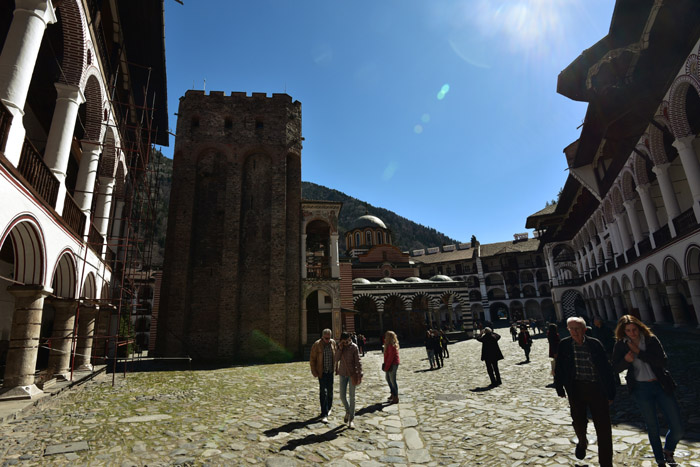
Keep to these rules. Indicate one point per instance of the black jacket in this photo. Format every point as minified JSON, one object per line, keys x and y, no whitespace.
{"x":565,"y":368}
{"x":654,"y":355}
{"x":490,"y":351}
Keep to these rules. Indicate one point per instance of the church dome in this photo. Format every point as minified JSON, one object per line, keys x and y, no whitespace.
{"x":367,"y":221}
{"x":413,"y":279}
{"x":441,"y":278}
{"x":360,"y":280}
{"x":389,"y":280}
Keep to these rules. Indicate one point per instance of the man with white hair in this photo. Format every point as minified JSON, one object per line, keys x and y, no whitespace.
{"x":322,"y":365}
{"x":583,"y":373}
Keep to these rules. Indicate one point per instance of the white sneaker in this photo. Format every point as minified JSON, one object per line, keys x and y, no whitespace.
{"x":351,"y":425}
{"x":324,"y":419}
{"x":329,"y":412}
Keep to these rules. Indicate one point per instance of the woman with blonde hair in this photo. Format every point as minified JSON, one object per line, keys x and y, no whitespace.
{"x":640,"y":352}
{"x":391,"y":364}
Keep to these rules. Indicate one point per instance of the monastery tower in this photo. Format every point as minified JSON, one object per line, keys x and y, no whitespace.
{"x":231,"y":282}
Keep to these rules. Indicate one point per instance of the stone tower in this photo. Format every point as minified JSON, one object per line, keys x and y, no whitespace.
{"x":231,"y":279}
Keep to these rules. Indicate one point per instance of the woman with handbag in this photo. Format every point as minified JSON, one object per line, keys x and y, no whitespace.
{"x":391,"y":364}
{"x":640,"y":352}
{"x":349,"y":368}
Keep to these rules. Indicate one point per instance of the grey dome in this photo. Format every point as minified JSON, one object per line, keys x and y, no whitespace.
{"x":367,"y":221}
{"x":441,"y":278}
{"x":387,"y":279}
{"x":360,"y":280}
{"x":413,"y":279}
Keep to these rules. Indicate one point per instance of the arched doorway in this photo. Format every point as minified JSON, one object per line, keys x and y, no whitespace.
{"x":319,"y":316}
{"x":367,"y":318}
{"x":572,"y":304}
{"x":395,"y":317}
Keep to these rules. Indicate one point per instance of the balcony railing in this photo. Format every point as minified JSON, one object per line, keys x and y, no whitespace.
{"x":662,"y":236}
{"x":318,"y":272}
{"x":631,"y":254}
{"x":685,"y":222}
{"x":569,"y":282}
{"x":73,"y":216}
{"x":5,"y":121}
{"x":95,"y":239}
{"x":38,"y":174}
{"x":644,"y":246}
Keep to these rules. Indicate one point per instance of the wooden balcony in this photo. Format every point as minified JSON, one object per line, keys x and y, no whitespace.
{"x":5,"y":121}
{"x":73,"y":216}
{"x":38,"y":174}
{"x":95,"y":239}
{"x":318,"y":272}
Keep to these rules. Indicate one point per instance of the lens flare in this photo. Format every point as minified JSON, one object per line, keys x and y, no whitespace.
{"x":418,"y":129}
{"x":443,"y":91}
{"x":425,"y":118}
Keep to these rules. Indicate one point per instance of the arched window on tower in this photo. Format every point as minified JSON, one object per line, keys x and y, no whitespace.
{"x":379,"y":238}
{"x":368,"y":236}
{"x":357,"y":240}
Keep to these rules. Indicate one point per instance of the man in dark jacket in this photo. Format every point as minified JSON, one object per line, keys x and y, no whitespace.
{"x":491,"y":354}
{"x":583,"y":373}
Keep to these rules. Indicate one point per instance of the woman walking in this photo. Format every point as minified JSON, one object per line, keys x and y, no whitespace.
{"x":640,"y":352}
{"x":349,"y":368}
{"x":491,"y":354}
{"x":391,"y":364}
{"x":525,"y":342}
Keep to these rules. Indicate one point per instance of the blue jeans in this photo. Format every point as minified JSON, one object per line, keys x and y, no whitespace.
{"x":345,"y":381}
{"x":431,"y":357}
{"x":326,"y":393}
{"x":391,"y":380}
{"x":649,"y":395}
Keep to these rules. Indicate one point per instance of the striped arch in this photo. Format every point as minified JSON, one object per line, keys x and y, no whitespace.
{"x":108,"y":161}
{"x":74,"y":39}
{"x":656,"y":137}
{"x":105,"y":293}
{"x":598,"y":218}
{"x":64,"y":278}
{"x":608,"y":211}
{"x":119,"y":188}
{"x":639,"y":165}
{"x":89,"y":287}
{"x":403,"y":298}
{"x":29,"y":249}
{"x":356,"y":298}
{"x":628,"y":185}
{"x":94,"y":102}
{"x":677,"y":111}
{"x":617,"y":200}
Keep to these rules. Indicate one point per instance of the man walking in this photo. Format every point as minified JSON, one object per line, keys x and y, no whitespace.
{"x":583,"y":370}
{"x":491,"y":354}
{"x":322,"y":355}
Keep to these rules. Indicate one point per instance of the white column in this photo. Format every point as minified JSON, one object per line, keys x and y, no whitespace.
{"x":61,"y":135}
{"x":634,"y":223}
{"x":335,"y":259}
{"x":616,"y":239}
{"x":694,"y":286}
{"x":644,"y":311}
{"x":656,"y":304}
{"x":537,"y":287}
{"x":17,"y":62}
{"x":649,"y":211}
{"x":624,"y":233}
{"x":668,"y":195}
{"x":303,"y":256}
{"x":104,"y":203}
{"x":85,"y":183}
{"x":691,"y":166}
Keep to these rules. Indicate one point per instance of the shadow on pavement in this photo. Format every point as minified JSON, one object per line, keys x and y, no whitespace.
{"x":483,"y":389}
{"x":370,"y":409}
{"x":313,"y":439}
{"x":289,"y":427}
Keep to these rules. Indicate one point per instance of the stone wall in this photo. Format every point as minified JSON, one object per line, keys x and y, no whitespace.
{"x":231,"y":281}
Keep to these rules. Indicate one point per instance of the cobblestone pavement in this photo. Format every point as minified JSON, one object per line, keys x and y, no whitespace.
{"x":266,"y":415}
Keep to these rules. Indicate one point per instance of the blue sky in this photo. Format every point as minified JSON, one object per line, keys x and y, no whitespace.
{"x":445,"y":112}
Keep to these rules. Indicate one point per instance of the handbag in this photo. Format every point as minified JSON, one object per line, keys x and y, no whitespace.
{"x":383,"y":369}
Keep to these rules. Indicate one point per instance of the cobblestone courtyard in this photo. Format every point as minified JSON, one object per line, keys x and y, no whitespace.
{"x":267,"y":415}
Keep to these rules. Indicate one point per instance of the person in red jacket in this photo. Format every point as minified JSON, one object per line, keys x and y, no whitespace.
{"x":391,"y":364}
